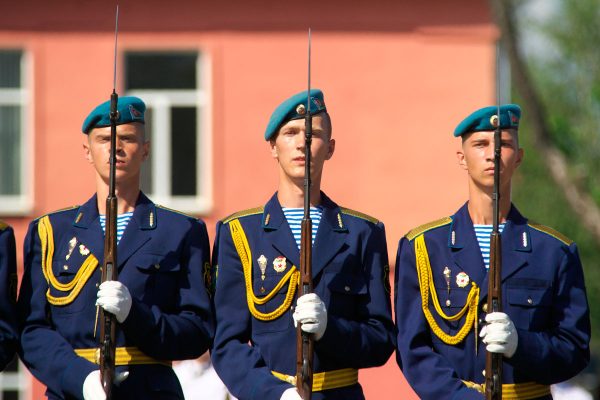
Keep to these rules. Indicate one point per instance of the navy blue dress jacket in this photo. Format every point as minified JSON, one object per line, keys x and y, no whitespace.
{"x":161,"y":259}
{"x":8,"y":292}
{"x":543,"y":292}
{"x":350,"y":272}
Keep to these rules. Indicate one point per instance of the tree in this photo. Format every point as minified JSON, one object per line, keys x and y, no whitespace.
{"x":560,"y":94}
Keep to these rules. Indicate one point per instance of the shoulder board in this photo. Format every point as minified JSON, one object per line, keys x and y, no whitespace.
{"x":413,"y":233}
{"x":549,"y":231}
{"x":3,"y":225}
{"x":59,"y":211}
{"x":358,"y":214}
{"x":175,"y":211}
{"x":244,"y":213}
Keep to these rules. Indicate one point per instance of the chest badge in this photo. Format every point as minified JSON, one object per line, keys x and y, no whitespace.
{"x":72,"y":244}
{"x":262,"y":264}
{"x":84,"y":251}
{"x":279,"y":264}
{"x":462,"y":279}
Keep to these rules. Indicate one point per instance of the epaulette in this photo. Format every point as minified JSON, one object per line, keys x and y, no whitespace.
{"x":58,"y":211}
{"x":549,"y":231}
{"x":175,"y":211}
{"x":413,"y":233}
{"x":3,"y":225}
{"x":239,"y":214}
{"x":358,"y":214}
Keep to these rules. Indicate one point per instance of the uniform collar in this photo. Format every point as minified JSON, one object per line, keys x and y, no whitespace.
{"x":273,"y":215}
{"x":328,"y":240}
{"x":515,"y":234}
{"x":144,"y":214}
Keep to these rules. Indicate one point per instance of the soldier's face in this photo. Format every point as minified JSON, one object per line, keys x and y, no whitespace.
{"x":477,"y":157}
{"x":288,"y":147}
{"x":131,"y":148}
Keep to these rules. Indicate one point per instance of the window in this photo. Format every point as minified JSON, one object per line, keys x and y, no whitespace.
{"x":177,"y":173}
{"x":14,"y":382}
{"x":14,"y":167}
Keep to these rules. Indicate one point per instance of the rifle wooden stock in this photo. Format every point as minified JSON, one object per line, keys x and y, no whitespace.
{"x":108,"y":322}
{"x":493,"y":361}
{"x":305,"y":341}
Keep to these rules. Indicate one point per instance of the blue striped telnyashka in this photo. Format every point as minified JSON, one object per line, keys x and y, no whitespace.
{"x":122,"y":221}
{"x":294,"y":218}
{"x":483,"y":233}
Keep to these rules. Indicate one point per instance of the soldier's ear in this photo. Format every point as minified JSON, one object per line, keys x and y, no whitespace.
{"x":520,"y":155}
{"x":331,"y":149}
{"x":146,"y":150}
{"x":273,"y":149}
{"x":460,"y":156}
{"x":87,"y":153}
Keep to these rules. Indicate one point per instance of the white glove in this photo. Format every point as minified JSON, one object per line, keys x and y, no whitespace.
{"x":290,"y":394}
{"x":114,"y":297}
{"x":311,"y":313}
{"x":500,"y":334}
{"x":92,"y":386}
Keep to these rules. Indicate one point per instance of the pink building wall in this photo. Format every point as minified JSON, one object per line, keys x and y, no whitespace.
{"x":397,"y":76}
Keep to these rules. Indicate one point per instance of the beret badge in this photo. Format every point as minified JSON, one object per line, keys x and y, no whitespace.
{"x":494,"y":120}
{"x":301,"y":109}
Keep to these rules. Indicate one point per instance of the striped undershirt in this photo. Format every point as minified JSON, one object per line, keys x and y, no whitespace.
{"x":122,"y":221}
{"x":294,"y":218}
{"x":483,"y":233}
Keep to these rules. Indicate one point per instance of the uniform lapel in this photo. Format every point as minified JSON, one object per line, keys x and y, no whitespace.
{"x":464,"y":247}
{"x":139,"y":230}
{"x":331,"y":235}
{"x":87,"y":229}
{"x":516,"y":243}
{"x":278,"y":233}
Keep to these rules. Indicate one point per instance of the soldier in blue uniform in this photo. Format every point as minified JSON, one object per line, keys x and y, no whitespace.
{"x":257,"y":278}
{"x":160,"y":301}
{"x":8,"y":295}
{"x":442,"y":282}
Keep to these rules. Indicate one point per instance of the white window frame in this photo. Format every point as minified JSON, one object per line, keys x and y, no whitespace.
{"x":160,"y":101}
{"x":21,"y":204}
{"x":19,"y":381}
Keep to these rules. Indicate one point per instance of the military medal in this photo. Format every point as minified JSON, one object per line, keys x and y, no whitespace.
{"x":72,"y":244}
{"x":462,"y":280}
{"x":262,"y":264}
{"x":84,"y":251}
{"x":279,"y":264}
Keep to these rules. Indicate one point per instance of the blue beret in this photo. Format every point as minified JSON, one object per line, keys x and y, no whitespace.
{"x":481,"y":120}
{"x":131,"y":109}
{"x":295,"y":108}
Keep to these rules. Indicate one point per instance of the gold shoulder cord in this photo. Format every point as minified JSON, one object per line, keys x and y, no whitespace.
{"x":427,"y":286}
{"x":76,"y":284}
{"x":243,"y":248}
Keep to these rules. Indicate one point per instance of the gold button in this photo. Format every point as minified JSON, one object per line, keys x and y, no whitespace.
{"x":66,"y":267}
{"x":483,"y":372}
{"x":484,"y":308}
{"x":529,"y":300}
{"x":157,"y":266}
{"x":448,"y":303}
{"x":347,"y":288}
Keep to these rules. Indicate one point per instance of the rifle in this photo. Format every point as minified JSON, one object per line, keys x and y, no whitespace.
{"x":305,"y":341}
{"x":108,"y":322}
{"x":493,"y":361}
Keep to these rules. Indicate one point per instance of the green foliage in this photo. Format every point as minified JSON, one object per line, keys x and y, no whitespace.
{"x":565,"y":69}
{"x":567,"y":76}
{"x":541,"y":200}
